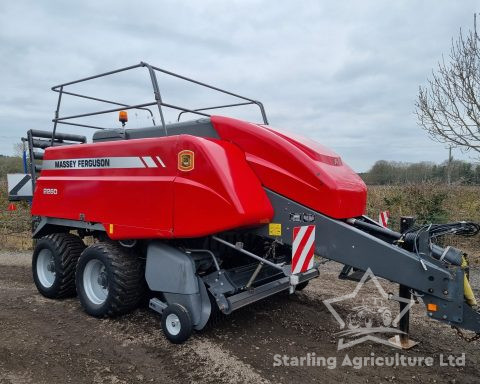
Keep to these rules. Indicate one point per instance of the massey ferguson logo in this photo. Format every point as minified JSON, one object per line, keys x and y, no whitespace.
{"x":50,"y":191}
{"x":83,"y":163}
{"x":185,"y":160}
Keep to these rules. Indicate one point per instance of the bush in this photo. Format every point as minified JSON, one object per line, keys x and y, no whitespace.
{"x":429,"y":203}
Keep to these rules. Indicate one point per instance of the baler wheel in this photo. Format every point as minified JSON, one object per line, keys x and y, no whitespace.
{"x":302,"y":286}
{"x":109,"y":280}
{"x":176,"y":323}
{"x":54,"y":262}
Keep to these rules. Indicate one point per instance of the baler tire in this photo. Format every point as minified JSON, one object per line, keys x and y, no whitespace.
{"x":64,"y":250}
{"x":124,"y":274}
{"x":176,"y":323}
{"x":302,"y":286}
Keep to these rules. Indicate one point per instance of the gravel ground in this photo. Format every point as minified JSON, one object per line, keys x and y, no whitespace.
{"x":48,"y":341}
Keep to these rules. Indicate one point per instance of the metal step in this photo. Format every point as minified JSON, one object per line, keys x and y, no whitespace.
{"x":240,"y":276}
{"x":260,"y":292}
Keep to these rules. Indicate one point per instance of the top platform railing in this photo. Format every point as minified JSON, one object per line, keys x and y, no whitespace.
{"x":152,"y":70}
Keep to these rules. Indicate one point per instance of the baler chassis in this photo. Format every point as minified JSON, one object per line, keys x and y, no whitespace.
{"x":191,"y":277}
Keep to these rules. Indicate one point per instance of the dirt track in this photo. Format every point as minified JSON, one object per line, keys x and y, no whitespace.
{"x":45,"y":341}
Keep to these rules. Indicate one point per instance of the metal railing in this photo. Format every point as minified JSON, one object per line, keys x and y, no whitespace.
{"x":60,"y":89}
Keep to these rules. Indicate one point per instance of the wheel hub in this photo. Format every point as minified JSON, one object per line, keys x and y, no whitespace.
{"x":51,"y":266}
{"x":173,"y":324}
{"x":102,"y":280}
{"x":95,"y":281}
{"x":45,"y":268}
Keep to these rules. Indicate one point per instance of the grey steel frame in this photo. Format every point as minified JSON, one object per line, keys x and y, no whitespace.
{"x":339,"y":241}
{"x":60,"y":89}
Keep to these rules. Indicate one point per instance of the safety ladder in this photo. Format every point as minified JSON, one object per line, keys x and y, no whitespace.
{"x":38,"y":141}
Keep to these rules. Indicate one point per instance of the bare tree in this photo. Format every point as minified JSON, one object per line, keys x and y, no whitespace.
{"x":18,"y":149}
{"x":448,"y":108}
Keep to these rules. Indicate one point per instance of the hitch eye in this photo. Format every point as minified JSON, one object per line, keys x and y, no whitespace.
{"x":432,"y":307}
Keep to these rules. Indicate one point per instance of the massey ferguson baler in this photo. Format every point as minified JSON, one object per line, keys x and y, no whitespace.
{"x":211,"y":215}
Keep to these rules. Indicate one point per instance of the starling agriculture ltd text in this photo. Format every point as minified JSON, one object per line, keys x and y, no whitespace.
{"x":358,"y":362}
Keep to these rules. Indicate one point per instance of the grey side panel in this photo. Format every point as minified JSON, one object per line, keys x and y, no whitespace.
{"x":108,"y":135}
{"x":170,"y":270}
{"x":200,"y":128}
{"x":198,"y":305}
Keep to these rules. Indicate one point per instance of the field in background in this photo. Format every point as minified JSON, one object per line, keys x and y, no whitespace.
{"x":428,"y":202}
{"x":14,"y":225}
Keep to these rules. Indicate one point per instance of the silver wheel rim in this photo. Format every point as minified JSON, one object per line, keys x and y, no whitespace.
{"x":46,"y":268}
{"x":95,"y":282}
{"x":173,"y":324}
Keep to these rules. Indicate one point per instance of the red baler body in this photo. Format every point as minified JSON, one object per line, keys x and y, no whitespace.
{"x":224,"y":190}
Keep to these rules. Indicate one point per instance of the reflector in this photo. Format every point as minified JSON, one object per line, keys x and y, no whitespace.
{"x":12,"y":207}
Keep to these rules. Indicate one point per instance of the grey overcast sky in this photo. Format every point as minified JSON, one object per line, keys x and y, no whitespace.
{"x":344,"y":73}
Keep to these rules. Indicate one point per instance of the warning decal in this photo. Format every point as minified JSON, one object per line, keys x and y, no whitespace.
{"x":302,"y":248}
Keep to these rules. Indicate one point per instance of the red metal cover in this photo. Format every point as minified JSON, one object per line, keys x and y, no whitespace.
{"x":138,"y":189}
{"x":188,"y":186}
{"x":297,"y":168}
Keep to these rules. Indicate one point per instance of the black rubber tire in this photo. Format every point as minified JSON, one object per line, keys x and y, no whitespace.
{"x":66,"y":249}
{"x":302,"y":286}
{"x":185,"y":323}
{"x":125,"y":273}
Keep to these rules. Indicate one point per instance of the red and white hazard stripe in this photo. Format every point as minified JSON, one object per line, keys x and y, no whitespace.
{"x":302,"y":248}
{"x":383,"y":218}
{"x":150,"y":162}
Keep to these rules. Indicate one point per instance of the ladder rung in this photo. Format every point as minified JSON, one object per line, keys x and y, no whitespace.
{"x":58,"y":136}
{"x":37,"y":155}
{"x":43,"y":144}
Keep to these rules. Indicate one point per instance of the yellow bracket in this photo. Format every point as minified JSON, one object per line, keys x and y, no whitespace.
{"x":467,"y":288}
